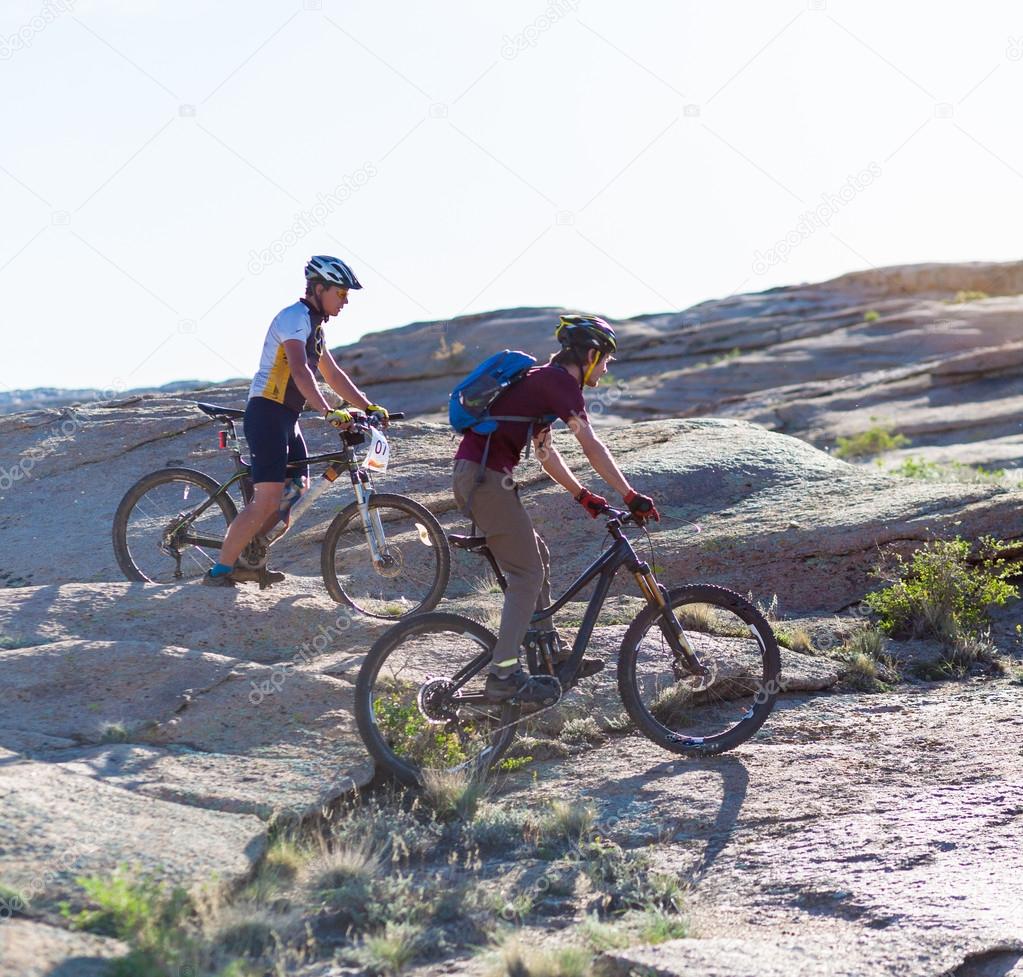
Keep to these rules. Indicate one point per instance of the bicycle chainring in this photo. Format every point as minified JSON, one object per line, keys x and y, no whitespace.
{"x":434,"y":701}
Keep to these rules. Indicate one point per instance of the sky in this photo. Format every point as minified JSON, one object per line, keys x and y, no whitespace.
{"x":168,"y":167}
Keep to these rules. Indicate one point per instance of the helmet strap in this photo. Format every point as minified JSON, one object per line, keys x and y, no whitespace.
{"x":591,"y":367}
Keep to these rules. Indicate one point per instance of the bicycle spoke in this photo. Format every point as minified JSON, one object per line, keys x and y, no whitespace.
{"x":691,"y":709}
{"x":419,"y":722}
{"x":405,"y":574}
{"x":146,"y":526}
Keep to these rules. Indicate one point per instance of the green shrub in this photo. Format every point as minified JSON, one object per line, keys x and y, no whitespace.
{"x":875,"y":440}
{"x":867,"y":668}
{"x":153,"y":918}
{"x":390,"y":950}
{"x":949,"y":471}
{"x":940,"y":594}
{"x":871,"y":315}
{"x":569,"y":961}
{"x":969,"y":295}
{"x":796,"y":639}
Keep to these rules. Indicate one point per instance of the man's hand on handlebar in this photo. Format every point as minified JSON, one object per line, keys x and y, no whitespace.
{"x":339,"y":418}
{"x":595,"y":505}
{"x":380,"y":413}
{"x":642,"y":507}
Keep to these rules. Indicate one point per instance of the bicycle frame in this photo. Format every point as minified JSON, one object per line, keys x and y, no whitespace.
{"x":603,"y":570}
{"x":360,"y":478}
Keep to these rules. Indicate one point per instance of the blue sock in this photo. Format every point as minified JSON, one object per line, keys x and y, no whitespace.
{"x":219,"y":569}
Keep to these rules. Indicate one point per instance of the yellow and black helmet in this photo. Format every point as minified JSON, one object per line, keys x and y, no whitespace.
{"x":582,"y":332}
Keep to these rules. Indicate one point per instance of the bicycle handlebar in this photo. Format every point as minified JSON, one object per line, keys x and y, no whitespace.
{"x":622,"y":515}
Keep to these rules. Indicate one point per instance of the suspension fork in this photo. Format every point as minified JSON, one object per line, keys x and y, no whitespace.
{"x":657,"y":596}
{"x":371,"y":522}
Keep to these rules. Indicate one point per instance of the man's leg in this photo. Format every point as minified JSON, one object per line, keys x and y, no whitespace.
{"x":267,"y":426}
{"x":499,"y":514}
{"x":297,"y":453}
{"x":241,"y":532}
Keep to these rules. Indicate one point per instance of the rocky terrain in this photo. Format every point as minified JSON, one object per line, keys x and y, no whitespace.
{"x":170,"y":728}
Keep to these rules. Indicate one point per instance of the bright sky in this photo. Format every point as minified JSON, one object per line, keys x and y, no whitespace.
{"x":167,"y":167}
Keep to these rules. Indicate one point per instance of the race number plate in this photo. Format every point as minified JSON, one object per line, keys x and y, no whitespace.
{"x":379,"y":452}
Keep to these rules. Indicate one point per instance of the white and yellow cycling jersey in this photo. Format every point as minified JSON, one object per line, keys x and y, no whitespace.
{"x":273,"y":380}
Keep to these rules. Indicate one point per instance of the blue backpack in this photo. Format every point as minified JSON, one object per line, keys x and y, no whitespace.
{"x":470,"y":402}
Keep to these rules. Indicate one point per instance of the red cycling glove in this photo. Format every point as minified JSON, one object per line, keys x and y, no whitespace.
{"x":642,"y":507}
{"x":595,"y":505}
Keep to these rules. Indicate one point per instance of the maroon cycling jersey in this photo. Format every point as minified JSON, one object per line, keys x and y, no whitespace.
{"x":545,"y":391}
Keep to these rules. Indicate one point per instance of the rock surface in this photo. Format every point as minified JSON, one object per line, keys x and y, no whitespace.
{"x":33,"y":949}
{"x":853,"y":835}
{"x":58,"y":825}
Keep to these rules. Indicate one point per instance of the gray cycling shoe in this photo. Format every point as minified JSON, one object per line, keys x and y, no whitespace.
{"x":523,"y":688}
{"x":222,"y":580}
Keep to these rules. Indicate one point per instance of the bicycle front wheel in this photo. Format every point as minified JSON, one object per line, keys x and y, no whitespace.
{"x":700,"y":715}
{"x":156,"y":539}
{"x":391,"y":565}
{"x":419,"y":701}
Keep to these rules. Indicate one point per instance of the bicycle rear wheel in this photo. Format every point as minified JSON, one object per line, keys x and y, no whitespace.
{"x":154,"y":539}
{"x":699,"y":715}
{"x":414,"y":563}
{"x":419,"y":700}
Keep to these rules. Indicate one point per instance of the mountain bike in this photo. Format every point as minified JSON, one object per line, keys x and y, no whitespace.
{"x":383,"y":555}
{"x":698,"y":671}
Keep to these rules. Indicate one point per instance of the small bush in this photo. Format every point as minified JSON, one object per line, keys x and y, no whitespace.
{"x":941,"y":595}
{"x":969,"y":295}
{"x":567,"y":961}
{"x":600,"y":936}
{"x":567,"y":820}
{"x":658,"y":926}
{"x":452,"y":793}
{"x":871,"y":315}
{"x":874,"y":441}
{"x":797,"y":639}
{"x":113,"y":732}
{"x":390,"y":950}
{"x":496,"y":826}
{"x":582,"y":730}
{"x":949,"y":471}
{"x":153,"y":918}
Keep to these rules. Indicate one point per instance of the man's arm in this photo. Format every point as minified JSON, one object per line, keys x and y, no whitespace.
{"x":294,"y":349}
{"x":340,"y":382}
{"x":598,"y":456}
{"x":554,"y":464}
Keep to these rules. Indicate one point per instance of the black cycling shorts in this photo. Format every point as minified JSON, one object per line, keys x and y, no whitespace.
{"x":274,"y":439}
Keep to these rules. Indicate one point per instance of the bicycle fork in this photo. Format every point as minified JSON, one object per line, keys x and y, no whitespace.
{"x":657,"y":595}
{"x":372,"y":525}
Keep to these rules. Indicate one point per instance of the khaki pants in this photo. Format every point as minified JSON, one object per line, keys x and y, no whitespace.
{"x":520,"y":552}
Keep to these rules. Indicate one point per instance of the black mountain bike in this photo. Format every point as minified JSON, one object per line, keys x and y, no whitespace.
{"x":384,"y":555}
{"x":698,"y":672}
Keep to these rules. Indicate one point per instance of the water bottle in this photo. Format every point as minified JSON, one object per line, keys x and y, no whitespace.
{"x":292,"y":493}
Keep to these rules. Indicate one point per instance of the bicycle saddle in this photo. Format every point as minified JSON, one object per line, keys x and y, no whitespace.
{"x":216,"y":411}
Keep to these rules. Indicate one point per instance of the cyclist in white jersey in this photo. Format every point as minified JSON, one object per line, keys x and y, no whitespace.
{"x":294,"y":348}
